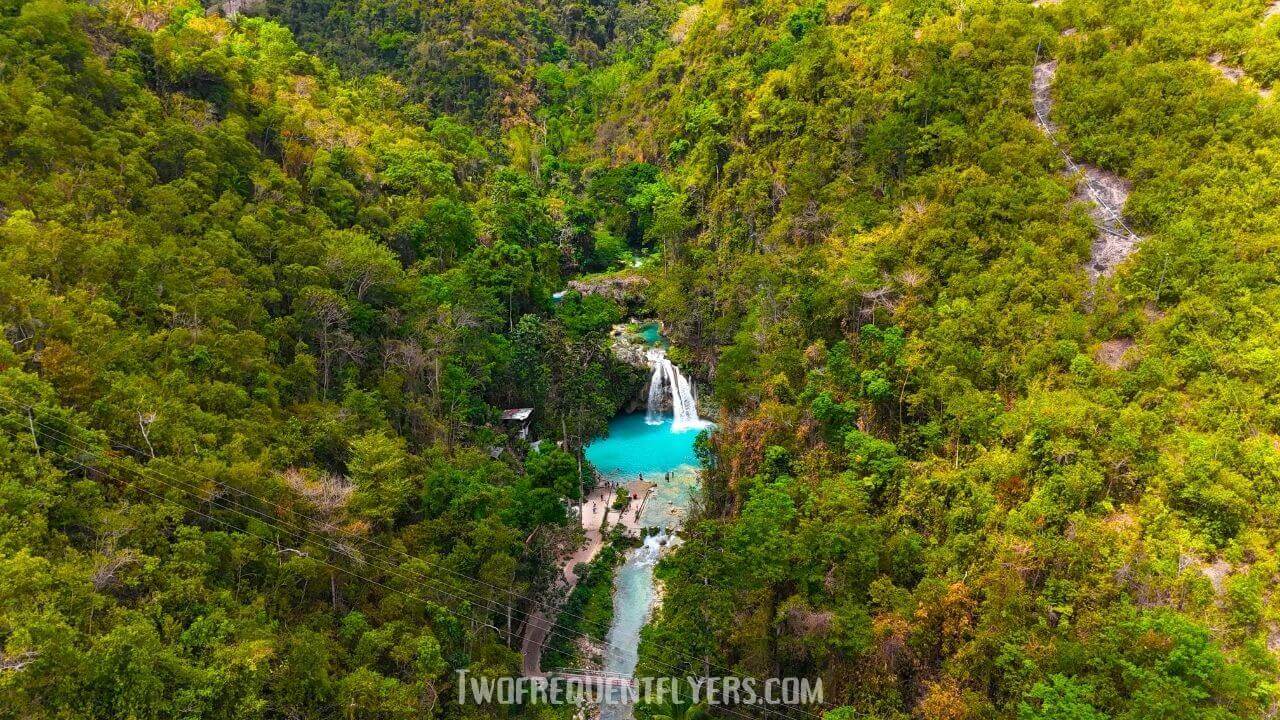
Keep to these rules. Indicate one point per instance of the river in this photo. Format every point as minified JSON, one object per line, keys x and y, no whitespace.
{"x":634,"y":448}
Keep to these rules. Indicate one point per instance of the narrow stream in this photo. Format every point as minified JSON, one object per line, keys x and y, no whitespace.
{"x":652,"y":450}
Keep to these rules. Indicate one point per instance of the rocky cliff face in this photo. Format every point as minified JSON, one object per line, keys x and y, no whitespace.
{"x":625,"y":289}
{"x":628,"y":346}
{"x":232,"y":8}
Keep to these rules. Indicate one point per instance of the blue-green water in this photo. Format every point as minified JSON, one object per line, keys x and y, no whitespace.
{"x":633,"y":601}
{"x":652,"y":334}
{"x":635,"y":448}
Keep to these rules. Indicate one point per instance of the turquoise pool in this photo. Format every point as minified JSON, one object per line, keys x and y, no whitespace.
{"x":635,"y":447}
{"x":652,"y":334}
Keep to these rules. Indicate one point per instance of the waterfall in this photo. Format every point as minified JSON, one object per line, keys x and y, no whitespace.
{"x":684,"y":410}
{"x":684,"y":405}
{"x":653,"y":409}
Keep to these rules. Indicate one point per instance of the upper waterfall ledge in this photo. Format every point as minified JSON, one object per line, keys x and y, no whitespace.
{"x":628,"y":345}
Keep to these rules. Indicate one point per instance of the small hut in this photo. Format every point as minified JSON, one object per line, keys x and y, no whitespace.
{"x":518,"y":419}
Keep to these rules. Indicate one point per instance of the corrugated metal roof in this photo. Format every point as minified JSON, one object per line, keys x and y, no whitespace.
{"x":517,"y":414}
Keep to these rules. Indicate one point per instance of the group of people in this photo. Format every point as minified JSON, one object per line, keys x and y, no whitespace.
{"x":615,"y":485}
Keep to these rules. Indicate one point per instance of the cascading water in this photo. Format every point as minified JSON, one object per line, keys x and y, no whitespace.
{"x":664,"y":456}
{"x":633,"y":602}
{"x":684,"y":404}
{"x":653,"y":408}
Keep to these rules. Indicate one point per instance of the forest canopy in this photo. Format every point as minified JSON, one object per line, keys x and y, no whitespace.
{"x":270,"y":272}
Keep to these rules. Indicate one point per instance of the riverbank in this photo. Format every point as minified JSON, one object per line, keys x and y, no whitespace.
{"x":647,"y":459}
{"x":640,"y":445}
{"x":598,"y":517}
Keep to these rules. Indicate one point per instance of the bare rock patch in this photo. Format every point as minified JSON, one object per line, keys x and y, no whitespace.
{"x":1230,"y":72}
{"x":1217,"y":572}
{"x":620,"y":288}
{"x":1112,"y":352}
{"x":1041,"y":95}
{"x":1104,"y":191}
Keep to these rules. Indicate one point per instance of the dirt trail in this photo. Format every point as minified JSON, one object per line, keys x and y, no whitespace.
{"x":1105,"y":192}
{"x":542,"y":621}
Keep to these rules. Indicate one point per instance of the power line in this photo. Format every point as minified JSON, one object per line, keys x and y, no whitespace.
{"x":354,"y":574}
{"x":304,"y":534}
{"x":297,"y":534}
{"x":486,"y":603}
{"x":555,"y":629}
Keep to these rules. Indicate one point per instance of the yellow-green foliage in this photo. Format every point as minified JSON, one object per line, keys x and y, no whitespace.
{"x":992,"y":516}
{"x":258,"y":323}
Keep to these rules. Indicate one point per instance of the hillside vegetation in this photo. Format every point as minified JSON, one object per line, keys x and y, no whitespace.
{"x":259,"y":323}
{"x":266,"y":283}
{"x":956,"y":479}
